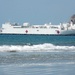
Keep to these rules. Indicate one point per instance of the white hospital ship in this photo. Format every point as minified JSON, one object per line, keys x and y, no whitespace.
{"x":46,"y":29}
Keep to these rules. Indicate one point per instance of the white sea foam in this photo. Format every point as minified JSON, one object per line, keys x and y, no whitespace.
{"x":38,"y":64}
{"x":47,"y":47}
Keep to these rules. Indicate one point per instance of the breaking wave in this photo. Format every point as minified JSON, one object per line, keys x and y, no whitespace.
{"x":46,"y":47}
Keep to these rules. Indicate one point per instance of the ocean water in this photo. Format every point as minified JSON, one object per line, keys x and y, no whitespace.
{"x":37,"y":55}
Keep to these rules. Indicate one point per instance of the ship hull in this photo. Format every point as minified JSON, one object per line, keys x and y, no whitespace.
{"x":38,"y":32}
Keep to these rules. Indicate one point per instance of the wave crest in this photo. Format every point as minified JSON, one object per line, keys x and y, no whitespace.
{"x":46,"y":47}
